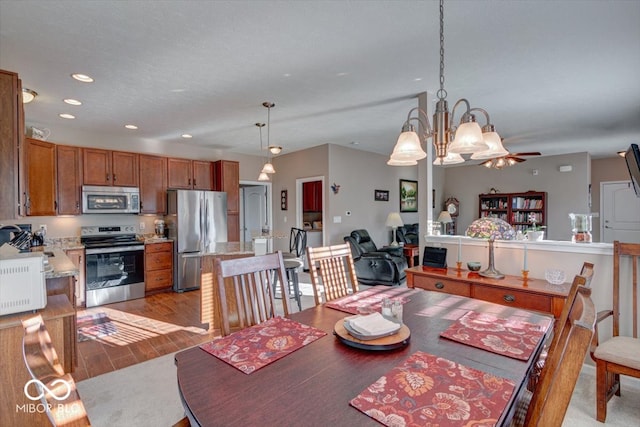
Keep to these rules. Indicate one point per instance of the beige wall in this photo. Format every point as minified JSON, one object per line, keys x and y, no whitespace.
{"x":567,"y":192}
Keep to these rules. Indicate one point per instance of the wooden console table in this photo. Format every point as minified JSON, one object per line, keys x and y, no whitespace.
{"x":534,"y":294}
{"x":411,"y":252}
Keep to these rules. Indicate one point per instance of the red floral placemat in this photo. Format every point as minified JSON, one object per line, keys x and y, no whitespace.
{"x":432,"y":391}
{"x":370,"y":299}
{"x":509,"y":337}
{"x":253,"y":348}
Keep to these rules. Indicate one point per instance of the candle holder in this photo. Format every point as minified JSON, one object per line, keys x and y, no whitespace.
{"x":459,"y":265}
{"x":525,"y":275}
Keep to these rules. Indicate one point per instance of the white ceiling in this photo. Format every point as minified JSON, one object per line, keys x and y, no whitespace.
{"x":555,"y":76}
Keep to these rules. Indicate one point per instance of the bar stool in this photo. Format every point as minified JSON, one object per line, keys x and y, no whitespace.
{"x":292,"y":265}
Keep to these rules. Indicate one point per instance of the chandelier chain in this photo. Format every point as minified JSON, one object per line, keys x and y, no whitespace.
{"x":442,"y":93}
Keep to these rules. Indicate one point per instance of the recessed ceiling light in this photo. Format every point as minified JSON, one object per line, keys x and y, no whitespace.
{"x":132,"y":127}
{"x":417,"y":79}
{"x":72,"y":101}
{"x":67,"y":116}
{"x":287,"y":75}
{"x":82,"y":78}
{"x":178,"y":90}
{"x":186,"y":135}
{"x":341,"y":74}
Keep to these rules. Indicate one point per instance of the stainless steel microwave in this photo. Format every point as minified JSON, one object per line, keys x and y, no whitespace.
{"x":102,"y":199}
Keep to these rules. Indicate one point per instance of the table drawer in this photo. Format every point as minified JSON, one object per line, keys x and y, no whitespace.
{"x":158,"y":279}
{"x":441,"y":285}
{"x":510,"y":297}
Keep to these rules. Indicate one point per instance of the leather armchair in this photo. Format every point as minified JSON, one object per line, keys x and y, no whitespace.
{"x":408,"y":234}
{"x":376,"y":266}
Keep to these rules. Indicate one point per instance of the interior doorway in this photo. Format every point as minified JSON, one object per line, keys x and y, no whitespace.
{"x":255,"y":209}
{"x":620,"y":210}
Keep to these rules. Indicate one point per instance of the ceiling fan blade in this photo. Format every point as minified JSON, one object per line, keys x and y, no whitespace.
{"x":530,"y":153}
{"x":517,"y":159}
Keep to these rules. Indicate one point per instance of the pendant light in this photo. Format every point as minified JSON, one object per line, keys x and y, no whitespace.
{"x":450,"y":141}
{"x":262,"y":176}
{"x":268,"y":167}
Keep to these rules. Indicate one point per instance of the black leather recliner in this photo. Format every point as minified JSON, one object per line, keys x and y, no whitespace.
{"x":384,"y":266}
{"x":408,"y":234}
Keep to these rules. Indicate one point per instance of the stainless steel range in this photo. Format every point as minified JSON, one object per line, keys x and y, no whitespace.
{"x":114,"y":264}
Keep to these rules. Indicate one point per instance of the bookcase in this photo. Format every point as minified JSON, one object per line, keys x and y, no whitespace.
{"x":515,"y":208}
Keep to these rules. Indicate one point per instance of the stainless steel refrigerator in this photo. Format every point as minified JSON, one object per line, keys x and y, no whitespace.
{"x":196,"y":221}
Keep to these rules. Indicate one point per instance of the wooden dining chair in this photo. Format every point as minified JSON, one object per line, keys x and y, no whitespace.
{"x":547,"y":405}
{"x":57,"y":390}
{"x":587,"y":273}
{"x":246,"y":287}
{"x":619,"y":355}
{"x":331,"y":267}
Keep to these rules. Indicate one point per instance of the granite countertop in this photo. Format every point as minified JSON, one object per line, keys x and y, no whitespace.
{"x":59,"y":265}
{"x":227,"y":248}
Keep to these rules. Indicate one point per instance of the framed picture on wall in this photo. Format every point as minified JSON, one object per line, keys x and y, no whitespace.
{"x":381,"y":195}
{"x":408,"y":196}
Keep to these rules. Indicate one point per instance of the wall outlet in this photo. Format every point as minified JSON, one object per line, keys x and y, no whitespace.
{"x":142,"y":226}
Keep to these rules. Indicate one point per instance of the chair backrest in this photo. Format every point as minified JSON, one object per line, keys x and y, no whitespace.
{"x":247,"y":286}
{"x":562,"y":321}
{"x":58,"y":391}
{"x":558,"y":378}
{"x":621,"y":250}
{"x":587,"y":273}
{"x":332,"y":267}
{"x":297,"y":241}
{"x":363,"y":239}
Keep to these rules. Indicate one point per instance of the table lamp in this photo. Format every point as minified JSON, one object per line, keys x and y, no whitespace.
{"x":491,"y":229}
{"x":394,"y":221}
{"x":444,"y":218}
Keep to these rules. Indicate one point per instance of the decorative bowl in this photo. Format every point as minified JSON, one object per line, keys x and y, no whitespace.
{"x":474,"y":266}
{"x":555,"y":277}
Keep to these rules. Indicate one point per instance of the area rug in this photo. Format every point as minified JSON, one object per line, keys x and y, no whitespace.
{"x":94,"y":326}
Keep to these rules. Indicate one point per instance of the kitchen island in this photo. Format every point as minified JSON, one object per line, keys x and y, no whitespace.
{"x":209,"y":296}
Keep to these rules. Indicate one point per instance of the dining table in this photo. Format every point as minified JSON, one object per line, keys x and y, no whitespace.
{"x":313,"y":386}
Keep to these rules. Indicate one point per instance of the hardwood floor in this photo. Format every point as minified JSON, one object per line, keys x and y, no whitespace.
{"x":140,"y":330}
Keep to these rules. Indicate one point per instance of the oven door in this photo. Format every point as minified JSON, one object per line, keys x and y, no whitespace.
{"x":114,"y":274}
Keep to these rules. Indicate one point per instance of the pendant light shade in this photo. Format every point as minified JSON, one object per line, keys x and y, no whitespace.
{"x":268,"y":168}
{"x":496,"y":149}
{"x":408,"y":147}
{"x":468,"y":139}
{"x":263,"y":177}
{"x":450,"y":159}
{"x":392,"y":162}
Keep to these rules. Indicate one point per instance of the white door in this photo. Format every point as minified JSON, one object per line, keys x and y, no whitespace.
{"x":254,"y":210}
{"x":620,"y":210}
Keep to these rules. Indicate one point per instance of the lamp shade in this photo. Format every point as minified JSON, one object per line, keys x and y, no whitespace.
{"x":491,"y":228}
{"x":268,"y":168}
{"x":394,"y":220}
{"x":468,"y":139}
{"x":408,"y":147}
{"x":263,"y":177}
{"x":445,"y":217}
{"x":392,"y":162}
{"x":450,"y":159}
{"x":496,"y":149}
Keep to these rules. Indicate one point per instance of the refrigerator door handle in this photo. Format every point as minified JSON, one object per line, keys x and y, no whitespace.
{"x":206,"y":222}
{"x":202,"y":239}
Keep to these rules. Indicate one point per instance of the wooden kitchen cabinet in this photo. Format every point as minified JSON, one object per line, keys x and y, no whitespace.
{"x":226,"y":177}
{"x":189,"y":174}
{"x":69,"y":177}
{"x":106,"y":167}
{"x":11,"y":140}
{"x":158,"y":266}
{"x":40,"y":177}
{"x":153,"y":184}
{"x":77,"y":258}
{"x":312,"y":196}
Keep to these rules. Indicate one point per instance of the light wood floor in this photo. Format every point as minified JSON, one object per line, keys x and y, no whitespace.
{"x":145,"y":328}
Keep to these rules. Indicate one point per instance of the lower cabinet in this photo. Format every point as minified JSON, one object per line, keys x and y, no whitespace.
{"x":77,"y":258}
{"x":158,"y":266}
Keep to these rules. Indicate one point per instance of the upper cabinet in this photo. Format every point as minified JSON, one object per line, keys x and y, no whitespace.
{"x":106,"y":167}
{"x":69,"y":166}
{"x":312,"y":196}
{"x":153,"y":184}
{"x":189,"y":174}
{"x":226,"y":177}
{"x":40,"y":177}
{"x":11,"y":139}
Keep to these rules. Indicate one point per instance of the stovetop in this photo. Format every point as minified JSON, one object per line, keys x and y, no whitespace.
{"x":108,"y":236}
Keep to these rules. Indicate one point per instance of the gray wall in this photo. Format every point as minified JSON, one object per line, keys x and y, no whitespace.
{"x":567,"y":192}
{"x":603,"y":170}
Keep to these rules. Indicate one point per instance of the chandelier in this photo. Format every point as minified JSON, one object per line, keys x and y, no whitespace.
{"x":450,"y":140}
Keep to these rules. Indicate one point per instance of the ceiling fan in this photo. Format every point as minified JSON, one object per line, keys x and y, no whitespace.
{"x":508,"y":160}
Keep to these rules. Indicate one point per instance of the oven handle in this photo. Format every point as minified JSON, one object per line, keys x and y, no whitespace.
{"x":114,"y":249}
